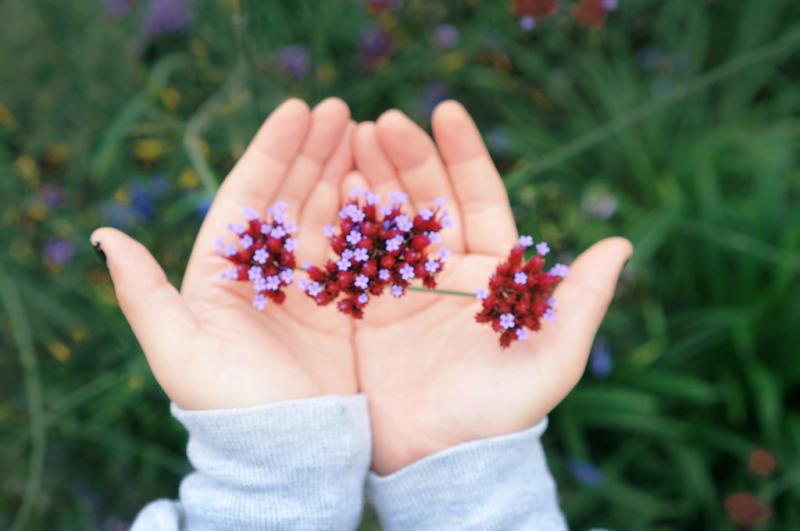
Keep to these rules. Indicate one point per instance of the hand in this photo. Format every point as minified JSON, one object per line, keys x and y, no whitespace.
{"x":208,"y":348}
{"x":435,"y":378}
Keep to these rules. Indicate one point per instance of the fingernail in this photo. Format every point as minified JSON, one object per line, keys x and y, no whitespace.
{"x":101,"y":255}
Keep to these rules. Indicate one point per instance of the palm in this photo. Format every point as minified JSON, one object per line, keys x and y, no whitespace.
{"x":207,"y":346}
{"x":444,"y":380}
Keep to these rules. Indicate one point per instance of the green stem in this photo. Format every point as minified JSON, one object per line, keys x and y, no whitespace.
{"x":20,"y":329}
{"x":693,"y":86}
{"x":443,"y":291}
{"x":426,"y":290}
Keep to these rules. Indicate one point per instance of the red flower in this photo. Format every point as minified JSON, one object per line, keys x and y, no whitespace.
{"x":376,"y":249}
{"x":520,"y":293}
{"x":538,"y":9}
{"x":746,"y":510}
{"x":590,"y":13}
{"x":762,"y":462}
{"x":264,"y":255}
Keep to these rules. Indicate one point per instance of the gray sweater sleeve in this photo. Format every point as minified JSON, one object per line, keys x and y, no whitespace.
{"x":495,"y":483}
{"x":296,"y":465}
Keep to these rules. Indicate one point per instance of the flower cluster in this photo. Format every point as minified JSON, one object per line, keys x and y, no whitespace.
{"x":586,"y":13}
{"x":520,"y":293}
{"x":264,"y":255}
{"x":377,"y":248}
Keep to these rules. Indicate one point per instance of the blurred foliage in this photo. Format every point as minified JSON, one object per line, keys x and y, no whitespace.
{"x":673,"y":123}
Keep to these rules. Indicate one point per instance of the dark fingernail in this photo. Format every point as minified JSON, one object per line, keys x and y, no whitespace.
{"x":101,"y":255}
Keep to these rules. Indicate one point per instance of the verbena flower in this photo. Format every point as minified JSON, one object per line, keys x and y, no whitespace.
{"x":377,"y":249}
{"x":264,"y":255}
{"x":520,"y":293}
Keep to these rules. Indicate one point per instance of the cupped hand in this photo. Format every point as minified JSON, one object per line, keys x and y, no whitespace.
{"x":435,"y":378}
{"x":206,"y":345}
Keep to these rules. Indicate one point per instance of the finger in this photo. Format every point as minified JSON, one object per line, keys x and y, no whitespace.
{"x":323,"y":203}
{"x":255,"y":178}
{"x":582,"y":300}
{"x":488,"y":223}
{"x":413,"y":154}
{"x":157,"y":313}
{"x":372,"y":162}
{"x":329,"y":120}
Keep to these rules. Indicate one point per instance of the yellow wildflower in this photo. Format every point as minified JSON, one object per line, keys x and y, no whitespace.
{"x":60,"y":351}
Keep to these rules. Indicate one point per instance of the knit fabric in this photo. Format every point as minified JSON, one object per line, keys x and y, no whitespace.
{"x":297,"y":464}
{"x":303,"y":465}
{"x":498,"y":483}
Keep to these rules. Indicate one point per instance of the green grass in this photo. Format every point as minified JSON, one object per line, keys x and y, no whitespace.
{"x":698,"y":151}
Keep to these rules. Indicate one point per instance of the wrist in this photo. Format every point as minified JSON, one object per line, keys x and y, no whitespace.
{"x":401,"y":438}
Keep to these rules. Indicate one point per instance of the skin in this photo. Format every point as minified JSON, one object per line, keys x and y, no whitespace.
{"x":206,"y":345}
{"x":433,"y":377}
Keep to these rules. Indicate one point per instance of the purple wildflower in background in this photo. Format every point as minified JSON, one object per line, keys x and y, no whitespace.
{"x":116,"y":9}
{"x":162,"y":17}
{"x":142,"y":200}
{"x":52,"y":195}
{"x":610,"y":5}
{"x":115,"y":524}
{"x":600,"y":362}
{"x":447,"y":35}
{"x":376,"y":45}
{"x":118,"y":214}
{"x":497,"y":140}
{"x":527,"y":22}
{"x":585,"y":472}
{"x":432,"y":95}
{"x":294,"y":60}
{"x":381,"y":5}
{"x":58,"y":251}
{"x":203,"y":206}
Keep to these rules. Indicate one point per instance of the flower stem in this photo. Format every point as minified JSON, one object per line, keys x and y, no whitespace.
{"x":426,"y":290}
{"x":443,"y":291}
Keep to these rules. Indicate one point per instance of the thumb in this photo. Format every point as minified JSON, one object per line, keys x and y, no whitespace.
{"x":582,"y":299}
{"x":157,"y":313}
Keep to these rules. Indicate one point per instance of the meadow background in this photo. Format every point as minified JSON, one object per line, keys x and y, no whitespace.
{"x":675,"y":123}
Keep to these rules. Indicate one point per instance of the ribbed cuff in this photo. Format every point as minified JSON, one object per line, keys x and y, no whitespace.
{"x":297,"y":464}
{"x":496,"y":483}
